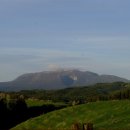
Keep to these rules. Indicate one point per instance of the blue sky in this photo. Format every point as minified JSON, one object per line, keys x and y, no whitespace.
{"x":40,"y":35}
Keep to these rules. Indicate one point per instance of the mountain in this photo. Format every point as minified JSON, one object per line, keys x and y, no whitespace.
{"x":57,"y":80}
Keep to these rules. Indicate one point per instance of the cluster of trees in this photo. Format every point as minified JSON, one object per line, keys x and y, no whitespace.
{"x":121,"y":95}
{"x":12,"y":110}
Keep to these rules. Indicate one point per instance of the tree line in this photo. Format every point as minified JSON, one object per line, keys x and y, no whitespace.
{"x":84,"y":94}
{"x":12,"y":111}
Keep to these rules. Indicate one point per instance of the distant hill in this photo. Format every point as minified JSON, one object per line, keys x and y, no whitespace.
{"x":83,"y":94}
{"x":57,"y":80}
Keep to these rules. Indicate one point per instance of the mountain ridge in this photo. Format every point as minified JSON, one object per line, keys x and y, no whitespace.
{"x":57,"y":80}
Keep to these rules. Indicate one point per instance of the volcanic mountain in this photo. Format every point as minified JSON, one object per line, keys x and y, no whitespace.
{"x":57,"y":80}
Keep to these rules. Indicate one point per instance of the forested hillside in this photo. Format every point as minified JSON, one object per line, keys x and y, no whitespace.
{"x":82,"y":94}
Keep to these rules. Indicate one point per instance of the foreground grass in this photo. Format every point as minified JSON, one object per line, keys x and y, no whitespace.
{"x":104,"y":115}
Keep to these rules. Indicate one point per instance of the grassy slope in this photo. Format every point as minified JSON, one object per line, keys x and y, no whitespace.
{"x":109,"y":114}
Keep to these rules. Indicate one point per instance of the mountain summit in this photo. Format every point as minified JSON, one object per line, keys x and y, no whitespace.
{"x":57,"y":80}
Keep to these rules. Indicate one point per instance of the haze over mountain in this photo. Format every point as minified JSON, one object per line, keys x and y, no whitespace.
{"x":57,"y":80}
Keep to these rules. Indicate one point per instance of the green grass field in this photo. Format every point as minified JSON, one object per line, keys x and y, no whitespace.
{"x":36,"y":102}
{"x":104,"y":115}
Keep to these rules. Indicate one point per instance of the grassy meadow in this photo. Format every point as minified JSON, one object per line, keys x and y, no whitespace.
{"x":38,"y":103}
{"x":108,"y":115}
